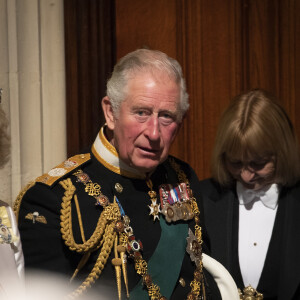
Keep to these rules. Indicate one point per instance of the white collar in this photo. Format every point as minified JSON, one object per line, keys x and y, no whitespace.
{"x":107,"y":155}
{"x":268,"y":195}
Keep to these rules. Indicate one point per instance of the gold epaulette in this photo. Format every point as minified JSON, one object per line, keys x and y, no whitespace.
{"x":63,"y":169}
{"x":52,"y":176}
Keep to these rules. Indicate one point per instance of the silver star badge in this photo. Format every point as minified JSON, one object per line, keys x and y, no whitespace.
{"x":194,"y":248}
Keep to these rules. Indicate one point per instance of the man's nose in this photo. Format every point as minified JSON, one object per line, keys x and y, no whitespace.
{"x":153,"y":128}
{"x":247,"y":174}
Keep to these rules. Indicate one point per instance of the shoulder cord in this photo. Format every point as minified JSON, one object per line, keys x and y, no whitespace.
{"x":104,"y":230}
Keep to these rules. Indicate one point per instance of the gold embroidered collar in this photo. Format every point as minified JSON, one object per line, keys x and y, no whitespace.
{"x":107,"y":155}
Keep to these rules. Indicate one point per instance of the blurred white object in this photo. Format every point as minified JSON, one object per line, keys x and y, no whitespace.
{"x":225,"y":282}
{"x":12,"y":260}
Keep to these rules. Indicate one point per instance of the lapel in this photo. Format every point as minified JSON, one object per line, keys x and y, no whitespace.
{"x":219,"y":204}
{"x":289,"y":277}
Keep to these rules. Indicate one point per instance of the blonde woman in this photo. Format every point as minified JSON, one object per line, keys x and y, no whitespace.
{"x":252,"y":205}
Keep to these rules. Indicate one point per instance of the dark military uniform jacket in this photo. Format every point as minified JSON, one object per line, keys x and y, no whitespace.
{"x":42,"y":216}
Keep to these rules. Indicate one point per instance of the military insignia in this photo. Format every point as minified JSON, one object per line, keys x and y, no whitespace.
{"x":102,"y":200}
{"x":57,"y":172}
{"x":172,"y":194}
{"x":118,"y":187}
{"x":35,"y":217}
{"x":175,"y":202}
{"x":82,"y":177}
{"x":70,"y":164}
{"x":154,"y":207}
{"x":64,"y":168}
{"x":194,"y":248}
{"x":134,"y":246}
{"x":93,"y":189}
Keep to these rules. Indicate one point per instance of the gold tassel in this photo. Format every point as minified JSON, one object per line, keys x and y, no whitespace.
{"x":117,"y":262}
{"x":81,"y":264}
{"x":121,"y":249}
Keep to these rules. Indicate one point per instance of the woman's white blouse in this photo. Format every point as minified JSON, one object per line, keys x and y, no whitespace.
{"x":256,"y":222}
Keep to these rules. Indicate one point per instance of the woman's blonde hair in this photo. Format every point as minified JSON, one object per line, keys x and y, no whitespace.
{"x":255,"y":126}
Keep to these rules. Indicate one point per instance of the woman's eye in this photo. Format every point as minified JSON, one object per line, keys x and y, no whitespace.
{"x":257,"y":165}
{"x":236,"y":164}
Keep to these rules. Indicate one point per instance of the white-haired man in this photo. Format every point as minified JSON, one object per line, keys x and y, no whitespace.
{"x":122,"y":213}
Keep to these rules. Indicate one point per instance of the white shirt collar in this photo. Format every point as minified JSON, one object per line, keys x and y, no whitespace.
{"x":267,"y":195}
{"x":107,"y":154}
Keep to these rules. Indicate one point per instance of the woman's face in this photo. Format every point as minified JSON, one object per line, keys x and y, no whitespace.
{"x":253,"y":173}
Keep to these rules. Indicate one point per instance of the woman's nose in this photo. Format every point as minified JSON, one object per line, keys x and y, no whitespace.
{"x":247,"y":175}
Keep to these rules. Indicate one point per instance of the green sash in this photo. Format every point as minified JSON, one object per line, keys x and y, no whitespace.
{"x":165,"y":264}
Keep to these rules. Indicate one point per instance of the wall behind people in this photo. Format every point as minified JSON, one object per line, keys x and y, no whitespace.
{"x":225,"y":47}
{"x":32,"y":76}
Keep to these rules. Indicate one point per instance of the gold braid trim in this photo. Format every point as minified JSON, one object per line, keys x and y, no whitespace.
{"x":110,"y":212}
{"x":109,"y":237}
{"x":180,"y":174}
{"x":17,"y":203}
{"x":103,"y":236}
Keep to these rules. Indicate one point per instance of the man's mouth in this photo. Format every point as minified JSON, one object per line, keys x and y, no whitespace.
{"x":149,"y":150}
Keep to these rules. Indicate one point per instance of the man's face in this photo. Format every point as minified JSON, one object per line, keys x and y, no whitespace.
{"x":146,"y":124}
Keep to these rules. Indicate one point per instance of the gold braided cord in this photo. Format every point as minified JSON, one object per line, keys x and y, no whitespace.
{"x":103,"y":236}
{"x":109,"y":237}
{"x":79,"y":218}
{"x":110,"y":212}
{"x":181,"y":175}
{"x":17,"y":203}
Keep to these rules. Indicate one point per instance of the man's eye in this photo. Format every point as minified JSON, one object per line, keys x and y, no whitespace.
{"x":166,"y":118}
{"x":141,"y":113}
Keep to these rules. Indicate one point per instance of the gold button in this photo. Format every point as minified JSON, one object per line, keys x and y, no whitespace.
{"x":118,"y":187}
{"x":82,"y":156}
{"x":182,"y":282}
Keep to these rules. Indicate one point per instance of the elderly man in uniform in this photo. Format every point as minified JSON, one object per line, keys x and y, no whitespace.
{"x":124,"y":217}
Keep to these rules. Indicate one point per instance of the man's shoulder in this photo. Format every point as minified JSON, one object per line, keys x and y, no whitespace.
{"x":64,"y":169}
{"x":39,"y":190}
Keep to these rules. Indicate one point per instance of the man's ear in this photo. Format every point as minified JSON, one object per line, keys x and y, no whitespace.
{"x":108,"y":113}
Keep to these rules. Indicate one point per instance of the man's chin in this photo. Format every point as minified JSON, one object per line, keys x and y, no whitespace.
{"x":146,"y":166}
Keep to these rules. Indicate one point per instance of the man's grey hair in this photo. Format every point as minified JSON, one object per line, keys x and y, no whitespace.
{"x":142,"y":60}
